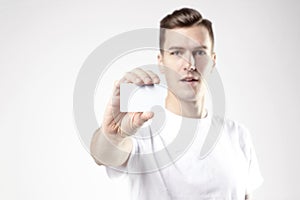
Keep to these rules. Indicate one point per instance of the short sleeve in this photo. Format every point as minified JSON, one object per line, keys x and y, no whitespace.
{"x":254,"y":178}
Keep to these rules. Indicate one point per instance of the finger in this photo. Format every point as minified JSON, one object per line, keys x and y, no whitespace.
{"x":143,"y":75}
{"x":126,"y":127}
{"x":116,"y":89}
{"x":131,"y":77}
{"x":154,"y":77}
{"x":140,"y":118}
{"x":147,"y":115}
{"x":113,"y":107}
{"x":133,"y":121}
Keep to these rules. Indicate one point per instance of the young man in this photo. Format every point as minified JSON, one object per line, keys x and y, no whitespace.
{"x":230,"y":170}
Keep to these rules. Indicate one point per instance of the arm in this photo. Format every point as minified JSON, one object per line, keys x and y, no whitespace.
{"x":110,"y":149}
{"x":111,"y":144}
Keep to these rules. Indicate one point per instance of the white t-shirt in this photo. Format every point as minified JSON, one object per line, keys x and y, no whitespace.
{"x":227,"y":172}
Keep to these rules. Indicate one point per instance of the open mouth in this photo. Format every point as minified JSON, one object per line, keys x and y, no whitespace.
{"x":190,"y":79}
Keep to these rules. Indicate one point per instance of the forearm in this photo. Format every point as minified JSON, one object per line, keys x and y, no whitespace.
{"x":110,"y":149}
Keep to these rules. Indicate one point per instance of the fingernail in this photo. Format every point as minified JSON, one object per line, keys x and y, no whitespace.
{"x":147,"y":80}
{"x":156,"y":80}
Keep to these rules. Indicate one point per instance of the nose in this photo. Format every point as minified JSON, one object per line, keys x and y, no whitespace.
{"x":189,"y":63}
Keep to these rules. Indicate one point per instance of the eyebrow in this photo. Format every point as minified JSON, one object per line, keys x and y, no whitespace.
{"x":175,"y":48}
{"x":201,"y":47}
{"x":181,"y":48}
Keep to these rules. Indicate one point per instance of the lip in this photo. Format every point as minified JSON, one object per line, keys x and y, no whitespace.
{"x":190,"y":80}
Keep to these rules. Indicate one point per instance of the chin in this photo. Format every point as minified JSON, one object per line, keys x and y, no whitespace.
{"x":187,"y":96}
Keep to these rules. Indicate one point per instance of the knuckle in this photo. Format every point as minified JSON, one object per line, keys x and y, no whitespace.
{"x":152,"y":74}
{"x":137,"y":69}
{"x":149,"y":71}
{"x":138,"y":123}
{"x":129,"y":73}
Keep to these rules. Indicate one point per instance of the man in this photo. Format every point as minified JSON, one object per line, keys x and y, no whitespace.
{"x":230,"y":170}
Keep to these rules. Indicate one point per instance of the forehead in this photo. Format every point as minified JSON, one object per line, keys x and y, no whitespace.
{"x":187,"y":37}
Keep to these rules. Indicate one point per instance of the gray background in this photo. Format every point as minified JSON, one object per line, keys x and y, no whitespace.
{"x":44,"y":43}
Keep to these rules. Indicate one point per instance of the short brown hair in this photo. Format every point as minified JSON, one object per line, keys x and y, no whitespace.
{"x":184,"y":17}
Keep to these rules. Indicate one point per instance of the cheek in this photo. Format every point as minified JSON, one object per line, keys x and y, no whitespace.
{"x":200,"y":68}
{"x":204,"y":68}
{"x":173,"y":64}
{"x":171,"y":75}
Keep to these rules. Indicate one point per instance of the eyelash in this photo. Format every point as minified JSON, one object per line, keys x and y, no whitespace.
{"x":201,"y":52}
{"x":176,"y":53}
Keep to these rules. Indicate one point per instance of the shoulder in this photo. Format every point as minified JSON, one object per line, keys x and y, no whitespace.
{"x":235,"y":131}
{"x":231,"y":126}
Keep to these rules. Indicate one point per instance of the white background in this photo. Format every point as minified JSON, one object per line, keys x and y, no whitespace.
{"x":44,"y":43}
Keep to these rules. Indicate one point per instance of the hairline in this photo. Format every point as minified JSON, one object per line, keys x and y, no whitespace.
{"x":162,"y":37}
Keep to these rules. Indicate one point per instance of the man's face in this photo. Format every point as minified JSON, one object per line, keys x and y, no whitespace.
{"x":186,"y":61}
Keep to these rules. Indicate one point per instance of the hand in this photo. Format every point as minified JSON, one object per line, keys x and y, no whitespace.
{"x":127,"y":123}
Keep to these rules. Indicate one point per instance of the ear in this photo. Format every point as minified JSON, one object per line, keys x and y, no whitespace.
{"x":160,"y":63}
{"x":214,"y":60}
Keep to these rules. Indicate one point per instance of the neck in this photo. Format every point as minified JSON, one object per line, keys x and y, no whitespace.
{"x":192,"y":109}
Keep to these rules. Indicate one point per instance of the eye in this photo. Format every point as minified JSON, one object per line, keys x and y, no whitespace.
{"x":176,"y":53}
{"x":199,"y":53}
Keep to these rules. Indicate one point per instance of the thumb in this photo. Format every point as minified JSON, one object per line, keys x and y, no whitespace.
{"x":133,"y":121}
{"x":138,"y":119}
{"x":147,"y":115}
